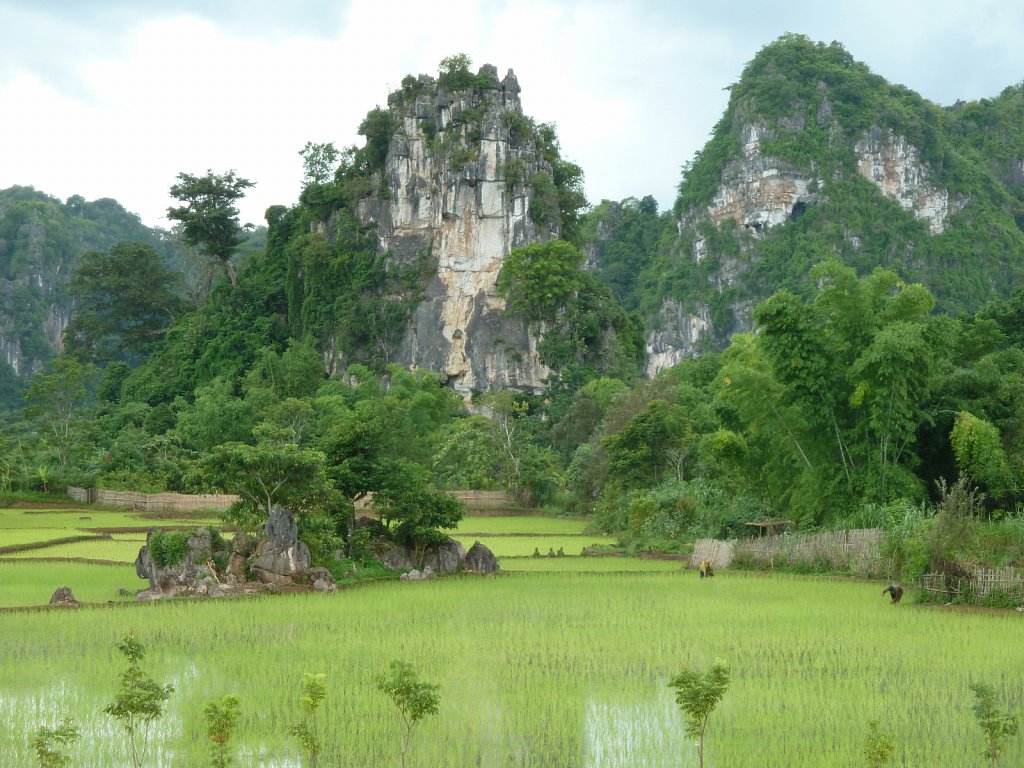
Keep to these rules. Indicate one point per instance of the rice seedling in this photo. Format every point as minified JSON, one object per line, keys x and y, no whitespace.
{"x":16,"y":537}
{"x":108,"y":549}
{"x":89,"y":518}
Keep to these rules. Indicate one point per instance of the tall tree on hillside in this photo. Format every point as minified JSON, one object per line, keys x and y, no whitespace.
{"x":209,"y":218}
{"x":56,"y":399}
{"x":318,"y":162}
{"x":124,"y":301}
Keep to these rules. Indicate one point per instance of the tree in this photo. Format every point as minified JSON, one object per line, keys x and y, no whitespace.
{"x":538,"y":279}
{"x":510,"y":415}
{"x":140,"y":700}
{"x":215,"y":416}
{"x":209,"y":218}
{"x":296,"y":372}
{"x":878,"y":746}
{"x":123,"y":302}
{"x":221,"y":719}
{"x":469,"y":454}
{"x":413,"y":698}
{"x":411,"y":508}
{"x":318,"y":162}
{"x":996,"y":724}
{"x":269,"y":473}
{"x":49,"y":744}
{"x":893,"y":377}
{"x":697,"y":695}
{"x":454,"y":73}
{"x":951,"y":532}
{"x":644,"y":447}
{"x":57,"y":400}
{"x":979,"y":452}
{"x":378,"y":127}
{"x":314,"y":691}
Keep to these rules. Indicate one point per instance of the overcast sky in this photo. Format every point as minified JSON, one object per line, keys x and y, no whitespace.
{"x":111,"y":98}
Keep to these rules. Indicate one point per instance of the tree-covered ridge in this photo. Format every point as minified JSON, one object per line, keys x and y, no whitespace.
{"x":41,"y":241}
{"x":995,"y":129}
{"x":813,"y":107}
{"x":620,"y":240}
{"x":816,"y":101}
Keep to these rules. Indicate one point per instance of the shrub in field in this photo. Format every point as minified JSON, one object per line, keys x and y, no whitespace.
{"x":140,"y":700}
{"x":314,"y":691}
{"x":955,"y":525}
{"x":903,"y":523}
{"x":221,"y":719}
{"x":697,"y":695}
{"x":878,"y":746}
{"x":168,"y":548}
{"x":996,"y":724}
{"x":415,"y":699}
{"x":49,"y":744}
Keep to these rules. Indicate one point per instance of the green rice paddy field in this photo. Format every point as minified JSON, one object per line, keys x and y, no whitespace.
{"x":562,"y":668}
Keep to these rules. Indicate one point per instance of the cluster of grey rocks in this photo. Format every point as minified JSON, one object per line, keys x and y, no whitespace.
{"x":213,"y":567}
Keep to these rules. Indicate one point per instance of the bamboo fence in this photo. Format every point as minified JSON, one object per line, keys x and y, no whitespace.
{"x":477,"y":503}
{"x":986,"y":585}
{"x":153,"y":502}
{"x":857,"y":550}
{"x":717,"y":551}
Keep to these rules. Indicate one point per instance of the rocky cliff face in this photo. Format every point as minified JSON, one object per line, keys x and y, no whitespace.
{"x":896,"y":169}
{"x":456,"y":186}
{"x":34,"y":311}
{"x":759,"y":192}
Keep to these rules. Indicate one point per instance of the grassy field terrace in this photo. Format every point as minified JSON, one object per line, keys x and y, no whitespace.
{"x":560,"y":662}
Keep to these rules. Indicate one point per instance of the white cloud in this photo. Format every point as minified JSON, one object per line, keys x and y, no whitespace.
{"x":114,"y":99}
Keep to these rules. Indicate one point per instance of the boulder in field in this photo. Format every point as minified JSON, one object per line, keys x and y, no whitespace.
{"x":444,"y":558}
{"x":280,"y":558}
{"x":63,"y":596}
{"x":480,"y":559}
{"x":242,"y":547}
{"x":317,"y":573}
{"x":427,"y":574}
{"x":396,"y":558}
{"x":175,"y":562}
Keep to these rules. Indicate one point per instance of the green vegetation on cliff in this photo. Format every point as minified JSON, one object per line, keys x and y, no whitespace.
{"x":815,"y":111}
{"x":41,"y":241}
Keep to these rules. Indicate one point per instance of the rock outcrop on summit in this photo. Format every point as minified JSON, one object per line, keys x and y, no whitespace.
{"x":457,"y":179}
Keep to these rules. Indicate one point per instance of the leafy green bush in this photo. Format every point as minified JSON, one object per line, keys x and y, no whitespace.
{"x":320,"y":534}
{"x":455,"y":74}
{"x":168,"y":548}
{"x":544,"y":209}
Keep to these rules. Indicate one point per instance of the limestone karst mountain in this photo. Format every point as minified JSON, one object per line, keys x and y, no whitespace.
{"x":816,"y":157}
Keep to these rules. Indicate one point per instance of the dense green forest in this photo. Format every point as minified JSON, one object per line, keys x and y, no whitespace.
{"x":43,"y":241}
{"x":884,"y":362}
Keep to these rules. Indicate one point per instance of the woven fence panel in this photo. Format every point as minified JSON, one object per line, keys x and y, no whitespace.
{"x":985,"y":585}
{"x":858,"y":550}
{"x":154,"y":502}
{"x":719,"y":552}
